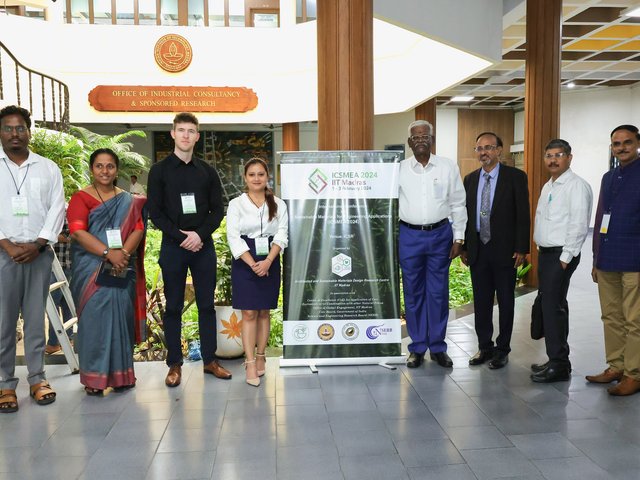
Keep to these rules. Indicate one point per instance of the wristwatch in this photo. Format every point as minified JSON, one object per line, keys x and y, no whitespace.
{"x":460,"y":241}
{"x":41,"y":246}
{"x":105,"y":253}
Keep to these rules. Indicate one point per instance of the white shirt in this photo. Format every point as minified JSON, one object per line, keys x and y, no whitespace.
{"x":244,"y":218}
{"x":137,"y":189}
{"x":563,"y":214}
{"x":429,"y":194}
{"x":40,"y":181}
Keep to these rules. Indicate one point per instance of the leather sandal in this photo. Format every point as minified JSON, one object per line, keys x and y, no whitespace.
{"x":262,"y":372}
{"x":93,"y":392}
{"x":42,"y":393}
{"x":254,"y":382}
{"x":8,"y":401}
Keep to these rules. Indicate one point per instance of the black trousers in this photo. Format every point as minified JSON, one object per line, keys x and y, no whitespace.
{"x":492,"y":279}
{"x":175,"y":261}
{"x":553,"y":284}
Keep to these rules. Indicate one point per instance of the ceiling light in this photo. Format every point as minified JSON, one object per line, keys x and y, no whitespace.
{"x":631,"y":12}
{"x":571,"y":85}
{"x":462,"y":98}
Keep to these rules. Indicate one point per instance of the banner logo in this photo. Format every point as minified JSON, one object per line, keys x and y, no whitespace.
{"x":350,"y":331}
{"x":375,"y":331}
{"x":318,"y":181}
{"x":341,"y":265}
{"x":300,"y":332}
{"x":326,"y":332}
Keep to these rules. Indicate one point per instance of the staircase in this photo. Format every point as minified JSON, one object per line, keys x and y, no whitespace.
{"x":45,"y":97}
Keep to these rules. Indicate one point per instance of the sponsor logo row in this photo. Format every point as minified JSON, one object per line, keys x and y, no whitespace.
{"x":350,"y":331}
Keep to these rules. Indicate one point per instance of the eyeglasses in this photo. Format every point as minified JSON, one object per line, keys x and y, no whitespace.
{"x":549,"y":156}
{"x":486,"y":148}
{"x":415,"y":138}
{"x":18,"y":129}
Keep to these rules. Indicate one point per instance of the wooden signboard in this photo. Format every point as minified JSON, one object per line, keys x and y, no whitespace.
{"x":121,"y":98}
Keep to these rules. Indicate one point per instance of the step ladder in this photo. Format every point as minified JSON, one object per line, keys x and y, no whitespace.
{"x":53,"y":314}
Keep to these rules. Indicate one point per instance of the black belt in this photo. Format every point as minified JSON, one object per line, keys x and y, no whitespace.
{"x":431,"y":226}
{"x":550,"y":249}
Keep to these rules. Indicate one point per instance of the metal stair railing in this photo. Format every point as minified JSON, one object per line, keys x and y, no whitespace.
{"x":53,"y":111}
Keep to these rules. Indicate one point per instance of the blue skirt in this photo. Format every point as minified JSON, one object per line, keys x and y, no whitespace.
{"x":248,"y":290}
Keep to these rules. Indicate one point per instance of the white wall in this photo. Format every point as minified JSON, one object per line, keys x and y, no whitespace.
{"x":586,"y":120}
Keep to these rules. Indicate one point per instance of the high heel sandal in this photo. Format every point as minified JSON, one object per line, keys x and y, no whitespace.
{"x":254,"y":382}
{"x":262,"y":372}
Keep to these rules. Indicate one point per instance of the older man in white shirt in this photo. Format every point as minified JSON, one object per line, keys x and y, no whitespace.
{"x":561,"y":226}
{"x":32,"y":196}
{"x":431,"y":192}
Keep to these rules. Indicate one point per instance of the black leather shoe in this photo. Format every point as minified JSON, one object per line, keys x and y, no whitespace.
{"x":538,"y":367}
{"x":415,"y":360}
{"x":499,"y":360}
{"x":443,"y":359}
{"x":552,"y":374}
{"x":481,"y":357}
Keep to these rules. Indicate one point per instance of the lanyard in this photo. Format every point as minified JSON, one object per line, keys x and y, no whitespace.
{"x":14,"y":179}
{"x":261,"y":211}
{"x":111,"y":214}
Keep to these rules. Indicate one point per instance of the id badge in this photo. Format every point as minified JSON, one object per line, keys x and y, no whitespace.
{"x":188,"y":202}
{"x":114,"y":239}
{"x":604,"y":226}
{"x":262,"y":246}
{"x":19,"y":206}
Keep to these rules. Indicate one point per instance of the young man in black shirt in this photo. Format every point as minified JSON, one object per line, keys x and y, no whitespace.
{"x":185,"y":202}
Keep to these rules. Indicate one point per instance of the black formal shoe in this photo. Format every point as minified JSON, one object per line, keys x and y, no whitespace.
{"x":443,"y":359}
{"x":538,"y":367}
{"x":481,"y":357}
{"x":415,"y":360}
{"x":552,"y":374}
{"x":499,"y":360}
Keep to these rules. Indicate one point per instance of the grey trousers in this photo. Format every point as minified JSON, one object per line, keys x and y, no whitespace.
{"x":23,"y":289}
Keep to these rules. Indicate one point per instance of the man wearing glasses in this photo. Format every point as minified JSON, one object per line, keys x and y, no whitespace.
{"x":616,"y":263}
{"x":561,"y":227}
{"x":496,"y":244}
{"x":31,"y":218}
{"x":185,"y":202}
{"x":431,"y":192}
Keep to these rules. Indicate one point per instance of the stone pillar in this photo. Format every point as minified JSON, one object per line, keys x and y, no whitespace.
{"x":427,"y":111}
{"x":290,"y":137}
{"x":542,"y":98}
{"x":345,"y":74}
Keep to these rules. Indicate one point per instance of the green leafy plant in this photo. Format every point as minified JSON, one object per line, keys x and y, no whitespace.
{"x":131,"y":163}
{"x":224,"y":258}
{"x":65,"y":151}
{"x":460,"y":289}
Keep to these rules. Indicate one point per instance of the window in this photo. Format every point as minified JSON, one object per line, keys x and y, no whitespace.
{"x":102,"y":12}
{"x":196,"y":13}
{"x":236,"y":13}
{"x":169,"y":12}
{"x":147,"y":14}
{"x":79,"y":11}
{"x":34,"y":12}
{"x":124,"y":12}
{"x":216,"y":13}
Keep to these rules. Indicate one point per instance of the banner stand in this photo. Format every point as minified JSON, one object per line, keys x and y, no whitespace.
{"x":312,"y":363}
{"x":341,"y":276}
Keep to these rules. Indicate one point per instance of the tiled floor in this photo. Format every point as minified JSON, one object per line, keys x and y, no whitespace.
{"x":344,"y":422}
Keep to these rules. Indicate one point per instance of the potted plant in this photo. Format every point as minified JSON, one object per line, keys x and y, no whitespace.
{"x":229,"y":320}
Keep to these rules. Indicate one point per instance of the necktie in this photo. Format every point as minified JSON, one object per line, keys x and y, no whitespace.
{"x":485,"y":210}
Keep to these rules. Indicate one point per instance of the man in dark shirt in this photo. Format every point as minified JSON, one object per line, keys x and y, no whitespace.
{"x":616,"y":263}
{"x":185,"y":202}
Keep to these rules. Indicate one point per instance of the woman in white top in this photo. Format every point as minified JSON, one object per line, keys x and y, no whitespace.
{"x":257,"y":231}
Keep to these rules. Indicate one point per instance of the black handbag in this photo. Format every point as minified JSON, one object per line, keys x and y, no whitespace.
{"x":537,"y":325}
{"x":108,"y":277}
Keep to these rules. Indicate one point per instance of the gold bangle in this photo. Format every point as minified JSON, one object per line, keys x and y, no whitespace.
{"x":127,"y":254}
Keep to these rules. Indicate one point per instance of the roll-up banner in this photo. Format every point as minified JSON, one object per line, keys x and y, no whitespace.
{"x":341,"y":279}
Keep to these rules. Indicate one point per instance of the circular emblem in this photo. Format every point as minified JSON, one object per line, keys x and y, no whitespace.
{"x":300,"y":332}
{"x":326,"y":332}
{"x":350,"y":331}
{"x":173,"y":53}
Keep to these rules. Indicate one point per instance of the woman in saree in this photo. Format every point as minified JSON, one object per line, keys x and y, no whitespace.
{"x":108,"y":286}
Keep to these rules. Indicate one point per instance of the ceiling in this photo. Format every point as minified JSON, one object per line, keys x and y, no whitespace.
{"x":599,"y":49}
